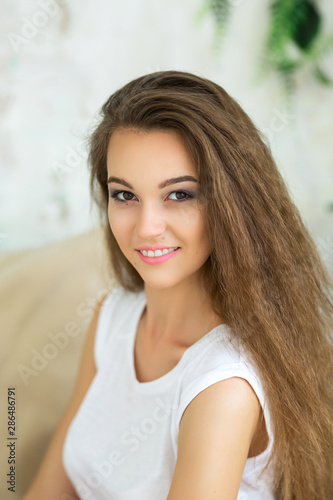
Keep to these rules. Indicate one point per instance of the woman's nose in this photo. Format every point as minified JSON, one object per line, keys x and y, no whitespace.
{"x":150,"y":221}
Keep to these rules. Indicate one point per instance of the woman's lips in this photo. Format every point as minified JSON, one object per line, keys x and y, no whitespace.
{"x":160,"y":259}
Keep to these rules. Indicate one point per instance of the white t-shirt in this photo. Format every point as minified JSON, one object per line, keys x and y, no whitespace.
{"x":122,"y":443}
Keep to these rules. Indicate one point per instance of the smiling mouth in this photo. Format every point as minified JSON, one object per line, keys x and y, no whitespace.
{"x":157,"y":253}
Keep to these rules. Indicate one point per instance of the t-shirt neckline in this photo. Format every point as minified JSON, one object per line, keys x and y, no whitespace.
{"x":172,"y":374}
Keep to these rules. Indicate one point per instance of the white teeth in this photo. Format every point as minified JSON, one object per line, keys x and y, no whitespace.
{"x":157,"y":253}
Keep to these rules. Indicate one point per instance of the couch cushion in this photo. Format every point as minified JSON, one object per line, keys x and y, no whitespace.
{"x":47,"y":296}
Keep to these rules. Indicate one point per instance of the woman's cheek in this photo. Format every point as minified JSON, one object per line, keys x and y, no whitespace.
{"x":120,"y":223}
{"x":189,"y":216}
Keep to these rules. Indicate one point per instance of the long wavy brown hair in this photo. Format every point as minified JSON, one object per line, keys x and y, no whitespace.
{"x":264,"y":275}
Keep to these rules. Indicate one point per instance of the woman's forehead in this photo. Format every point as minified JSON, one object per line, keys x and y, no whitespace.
{"x":155,"y":152}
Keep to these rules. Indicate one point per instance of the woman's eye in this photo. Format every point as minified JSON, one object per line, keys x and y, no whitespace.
{"x":180,"y":195}
{"x":125,"y":195}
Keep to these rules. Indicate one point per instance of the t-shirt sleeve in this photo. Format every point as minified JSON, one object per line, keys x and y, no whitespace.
{"x":104,"y":324}
{"x":223,"y":372}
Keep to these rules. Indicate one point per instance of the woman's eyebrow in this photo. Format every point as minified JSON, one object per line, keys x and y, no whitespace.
{"x":163,"y":184}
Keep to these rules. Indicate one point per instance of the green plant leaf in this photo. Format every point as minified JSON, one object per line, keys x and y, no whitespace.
{"x":292,"y":42}
{"x":306,"y":30}
{"x":322,"y":77}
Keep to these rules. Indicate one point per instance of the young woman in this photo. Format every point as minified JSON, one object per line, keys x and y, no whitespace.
{"x":207,"y":371}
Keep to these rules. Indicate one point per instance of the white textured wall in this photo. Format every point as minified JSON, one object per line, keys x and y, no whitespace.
{"x":56,"y":76}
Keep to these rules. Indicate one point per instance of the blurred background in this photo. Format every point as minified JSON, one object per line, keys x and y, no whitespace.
{"x":61,"y":59}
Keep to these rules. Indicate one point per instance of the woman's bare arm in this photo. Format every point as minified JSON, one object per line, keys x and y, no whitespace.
{"x":215,"y":435}
{"x":51,"y":481}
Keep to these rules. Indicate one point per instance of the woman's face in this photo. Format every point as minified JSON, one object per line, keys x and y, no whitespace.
{"x":151,"y":207}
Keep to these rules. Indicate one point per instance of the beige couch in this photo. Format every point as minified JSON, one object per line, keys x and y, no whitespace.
{"x":47,"y":296}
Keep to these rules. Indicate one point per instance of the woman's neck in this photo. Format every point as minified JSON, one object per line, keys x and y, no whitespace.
{"x":180,"y":315}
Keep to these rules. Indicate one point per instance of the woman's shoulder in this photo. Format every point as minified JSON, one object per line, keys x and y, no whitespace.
{"x":217,"y":357}
{"x":117,"y":303}
{"x":119,"y":296}
{"x":117,"y":308}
